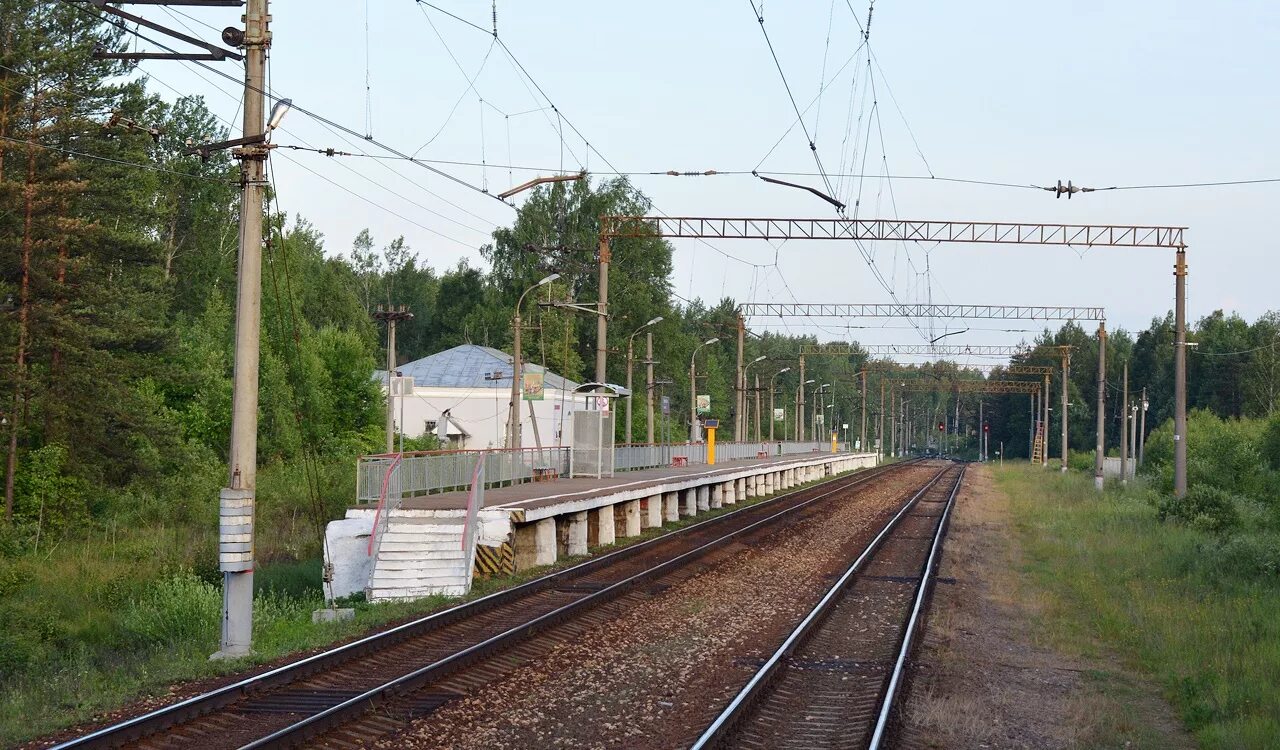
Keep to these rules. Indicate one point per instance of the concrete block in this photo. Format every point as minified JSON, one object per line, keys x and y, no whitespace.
{"x":600,"y":526}
{"x":652,"y":517}
{"x":340,"y":614}
{"x":575,"y":533}
{"x":347,"y":550}
{"x":671,"y":507}
{"x":704,"y":498}
{"x":534,"y":544}
{"x":627,"y":519}
{"x":717,"y":496}
{"x":741,"y":492}
{"x":689,"y":502}
{"x":728,"y":494}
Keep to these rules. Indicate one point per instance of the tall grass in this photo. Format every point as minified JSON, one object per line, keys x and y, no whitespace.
{"x":1198,"y":610}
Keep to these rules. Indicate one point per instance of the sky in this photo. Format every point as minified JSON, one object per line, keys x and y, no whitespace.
{"x":1102,"y":94}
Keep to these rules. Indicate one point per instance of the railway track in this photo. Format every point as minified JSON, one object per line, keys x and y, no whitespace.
{"x":833,"y":682}
{"x":349,"y":694}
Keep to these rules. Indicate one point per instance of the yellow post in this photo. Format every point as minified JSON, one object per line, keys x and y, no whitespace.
{"x":711,"y":445}
{"x":834,"y":447}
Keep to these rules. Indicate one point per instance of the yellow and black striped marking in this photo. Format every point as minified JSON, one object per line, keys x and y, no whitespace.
{"x":495,"y":561}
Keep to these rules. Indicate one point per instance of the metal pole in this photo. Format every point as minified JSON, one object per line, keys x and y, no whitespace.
{"x":1099,"y":453}
{"x":648,"y":389}
{"x":1180,"y":375}
{"x":1124,"y":426}
{"x":1142,"y":428}
{"x":602,"y":319}
{"x":772,"y":390}
{"x":236,"y":504}
{"x":981,"y":452}
{"x":1066,"y":355}
{"x":893,"y":423}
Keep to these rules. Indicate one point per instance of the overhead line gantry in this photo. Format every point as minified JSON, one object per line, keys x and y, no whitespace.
{"x":907,"y":230}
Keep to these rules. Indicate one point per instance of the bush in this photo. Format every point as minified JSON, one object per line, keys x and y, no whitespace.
{"x":1204,"y":506}
{"x":1222,"y":453}
{"x":181,"y":609}
{"x":1082,"y":461}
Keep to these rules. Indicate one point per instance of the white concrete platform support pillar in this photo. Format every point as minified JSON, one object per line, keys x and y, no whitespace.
{"x":729,"y":493}
{"x":535,"y":544}
{"x":769,"y":486}
{"x":689,"y":502}
{"x":717,"y":496}
{"x":628,"y":518}
{"x":671,"y":507}
{"x":601,"y":530}
{"x":575,"y":542}
{"x":741,"y":492}
{"x":653,"y":512}
{"x":704,"y":498}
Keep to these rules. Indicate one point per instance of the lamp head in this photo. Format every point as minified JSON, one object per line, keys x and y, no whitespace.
{"x":785,"y":369}
{"x":654,"y":322}
{"x":710,"y":341}
{"x":278,"y":111}
{"x":548,"y":279}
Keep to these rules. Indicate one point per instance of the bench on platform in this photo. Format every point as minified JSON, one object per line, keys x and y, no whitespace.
{"x":679,"y":460}
{"x":545,"y":473}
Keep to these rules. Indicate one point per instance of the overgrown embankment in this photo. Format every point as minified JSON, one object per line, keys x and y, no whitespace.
{"x":1185,"y":590}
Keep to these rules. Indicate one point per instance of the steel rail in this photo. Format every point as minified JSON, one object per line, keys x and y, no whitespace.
{"x":724,"y":724}
{"x":917,"y":611}
{"x":313,"y":725}
{"x":149,"y":723}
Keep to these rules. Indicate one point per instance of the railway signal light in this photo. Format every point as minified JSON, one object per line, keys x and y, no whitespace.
{"x":986,"y":427}
{"x":942,"y":427}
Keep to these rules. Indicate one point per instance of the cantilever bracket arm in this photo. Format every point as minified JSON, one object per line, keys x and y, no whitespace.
{"x":815,"y":191}
{"x":536,"y":181}
{"x":215,"y":52}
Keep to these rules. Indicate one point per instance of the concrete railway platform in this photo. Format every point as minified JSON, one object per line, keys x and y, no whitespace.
{"x":420,"y":546}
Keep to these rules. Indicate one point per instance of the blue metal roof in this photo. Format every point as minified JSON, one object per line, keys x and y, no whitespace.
{"x":471,"y":366}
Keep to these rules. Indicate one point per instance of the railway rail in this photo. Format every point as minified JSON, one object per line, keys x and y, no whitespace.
{"x":384,"y":680}
{"x":833,"y":681}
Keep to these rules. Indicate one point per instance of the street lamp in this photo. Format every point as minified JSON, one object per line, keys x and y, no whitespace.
{"x":746,"y":403}
{"x":630,"y":358}
{"x":693,"y":390}
{"x":772,"y":381}
{"x":513,"y":417}
{"x":817,"y":392}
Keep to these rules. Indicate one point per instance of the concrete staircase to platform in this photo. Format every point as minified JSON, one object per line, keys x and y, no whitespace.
{"x":418,"y":556}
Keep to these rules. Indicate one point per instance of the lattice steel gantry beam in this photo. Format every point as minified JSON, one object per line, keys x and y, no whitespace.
{"x":985,"y":232}
{"x":914,"y":349}
{"x":1029,"y":387}
{"x":996,"y":233}
{"x":880,"y":310}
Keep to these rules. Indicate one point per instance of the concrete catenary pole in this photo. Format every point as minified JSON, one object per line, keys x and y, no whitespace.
{"x":1180,"y":375}
{"x":1044,"y":452}
{"x":1124,"y":426}
{"x":740,"y":385}
{"x":648,"y":386}
{"x":880,"y":421}
{"x":863,"y":442}
{"x":237,"y":500}
{"x":1142,"y":428}
{"x":1099,"y":452}
{"x":800,"y":404}
{"x":759,"y":396}
{"x":391,"y":371}
{"x":981,"y":454}
{"x":602,"y":314}
{"x":1066,"y":357}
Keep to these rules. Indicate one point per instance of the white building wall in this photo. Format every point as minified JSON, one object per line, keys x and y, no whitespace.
{"x":482,"y":412}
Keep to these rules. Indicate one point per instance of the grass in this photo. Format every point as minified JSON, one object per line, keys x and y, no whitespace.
{"x":97,"y":622}
{"x":1174,"y":601}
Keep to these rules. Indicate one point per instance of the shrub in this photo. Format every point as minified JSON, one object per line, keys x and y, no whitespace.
{"x":180,"y":609}
{"x":1204,"y":506}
